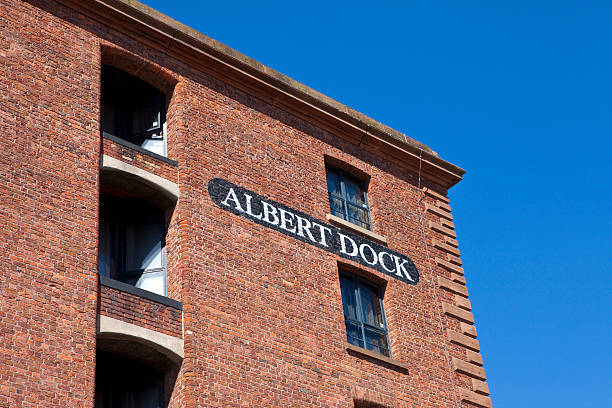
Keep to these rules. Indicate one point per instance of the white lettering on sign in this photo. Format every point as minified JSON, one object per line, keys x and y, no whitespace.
{"x":369,"y":254}
{"x":268,"y":211}
{"x":322,"y":230}
{"x":382,"y":261}
{"x":286,"y":220}
{"x":249,"y":209}
{"x":343,"y":241}
{"x":231,"y":195}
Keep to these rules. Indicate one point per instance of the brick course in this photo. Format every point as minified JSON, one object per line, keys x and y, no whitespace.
{"x":140,"y":311}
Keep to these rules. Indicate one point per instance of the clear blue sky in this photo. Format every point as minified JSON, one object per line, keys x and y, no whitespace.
{"x":519,"y":94}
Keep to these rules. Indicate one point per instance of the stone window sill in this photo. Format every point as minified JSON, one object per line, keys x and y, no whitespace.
{"x":356,"y":228}
{"x":376,"y":356}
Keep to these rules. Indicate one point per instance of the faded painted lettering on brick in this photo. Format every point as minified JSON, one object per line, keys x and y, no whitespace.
{"x":307,"y":229}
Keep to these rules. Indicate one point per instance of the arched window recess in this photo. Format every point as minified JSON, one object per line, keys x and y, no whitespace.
{"x":133,"y":110}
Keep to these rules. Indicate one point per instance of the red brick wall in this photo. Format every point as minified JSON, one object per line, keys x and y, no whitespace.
{"x":140,"y":311}
{"x":48,"y":208}
{"x":263,"y":320}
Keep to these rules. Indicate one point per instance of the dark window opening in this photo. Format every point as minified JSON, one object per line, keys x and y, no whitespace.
{"x":132,"y":246}
{"x":125,"y":383}
{"x":360,"y":403}
{"x":363,"y":314}
{"x":132,"y":110}
{"x":348,"y":198}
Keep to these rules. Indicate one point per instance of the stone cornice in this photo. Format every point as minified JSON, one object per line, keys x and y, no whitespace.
{"x":179,"y":41}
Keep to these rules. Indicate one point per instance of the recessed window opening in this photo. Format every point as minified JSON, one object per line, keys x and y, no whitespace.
{"x":364,"y":316}
{"x":347,"y":197}
{"x":359,"y":403}
{"x":132,"y":245}
{"x":133,"y":110}
{"x":125,"y":383}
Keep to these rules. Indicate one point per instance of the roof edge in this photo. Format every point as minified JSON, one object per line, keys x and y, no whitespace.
{"x":181,"y":35}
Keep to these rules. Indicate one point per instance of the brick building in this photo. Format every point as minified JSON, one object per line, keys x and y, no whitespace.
{"x":183,"y":226}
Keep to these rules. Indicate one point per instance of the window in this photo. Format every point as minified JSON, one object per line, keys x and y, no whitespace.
{"x":132,"y":110}
{"x":347,"y":198}
{"x":132,"y":246}
{"x":363,"y":314}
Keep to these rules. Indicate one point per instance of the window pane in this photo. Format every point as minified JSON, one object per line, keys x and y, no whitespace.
{"x":104,"y":249}
{"x":143,"y":246}
{"x":333,"y":182}
{"x":153,"y":282}
{"x":146,"y":118}
{"x":110,"y":258}
{"x":347,"y":287}
{"x":107,"y":118}
{"x":376,"y":341}
{"x":358,"y":216}
{"x":370,"y":306}
{"x":154,"y":145}
{"x":355,"y":342}
{"x":336,"y":206}
{"x":145,"y":396}
{"x":353,"y":333}
{"x":354,"y":192}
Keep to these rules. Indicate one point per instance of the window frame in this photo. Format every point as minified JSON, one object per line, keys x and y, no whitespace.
{"x":360,"y":314}
{"x":342,"y":178}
